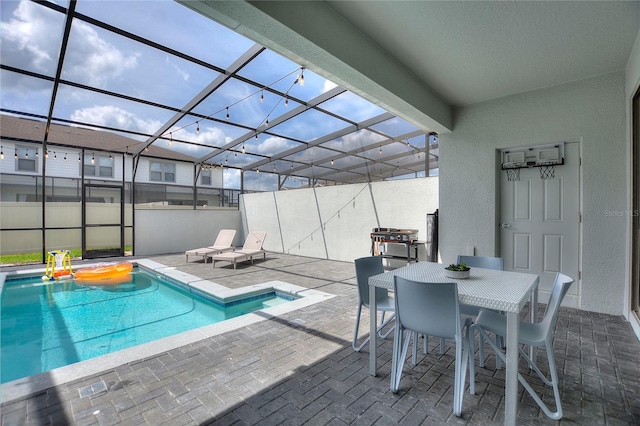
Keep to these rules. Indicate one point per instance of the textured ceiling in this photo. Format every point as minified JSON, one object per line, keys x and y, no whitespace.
{"x":471,"y":51}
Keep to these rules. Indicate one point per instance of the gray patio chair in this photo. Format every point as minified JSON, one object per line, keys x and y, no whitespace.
{"x":531,"y":334}
{"x":487,"y":263}
{"x":431,"y":309}
{"x":365,"y":268}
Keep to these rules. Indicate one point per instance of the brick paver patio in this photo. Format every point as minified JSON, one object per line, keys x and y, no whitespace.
{"x":299,"y":368}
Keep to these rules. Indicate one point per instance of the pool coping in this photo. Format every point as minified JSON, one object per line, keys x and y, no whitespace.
{"x":27,"y":386}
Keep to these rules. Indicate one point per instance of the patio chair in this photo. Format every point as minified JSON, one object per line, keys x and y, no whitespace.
{"x":531,"y":334}
{"x":431,"y":309}
{"x":487,"y":263}
{"x":365,"y":268}
{"x":252,"y":247}
{"x":223,"y":243}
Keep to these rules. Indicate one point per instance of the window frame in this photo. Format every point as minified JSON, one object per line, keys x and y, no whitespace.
{"x":97,"y":167}
{"x":206,"y":174}
{"x":19,"y":159}
{"x":163,"y":172}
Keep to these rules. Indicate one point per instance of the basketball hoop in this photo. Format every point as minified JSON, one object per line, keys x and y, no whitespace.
{"x":513,"y":171}
{"x":547,"y":170}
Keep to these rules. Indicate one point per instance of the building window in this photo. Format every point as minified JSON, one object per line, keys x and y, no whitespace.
{"x":98,"y":165}
{"x":26,"y":159}
{"x":162,"y":172}
{"x":205,"y":177}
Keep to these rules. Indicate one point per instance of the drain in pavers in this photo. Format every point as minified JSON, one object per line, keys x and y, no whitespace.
{"x":92,"y":389}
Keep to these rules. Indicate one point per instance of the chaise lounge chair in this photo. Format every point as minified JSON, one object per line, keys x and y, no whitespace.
{"x":223,"y":243}
{"x":252,"y":247}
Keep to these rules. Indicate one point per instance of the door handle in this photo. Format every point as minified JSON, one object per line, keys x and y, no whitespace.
{"x":505,"y":225}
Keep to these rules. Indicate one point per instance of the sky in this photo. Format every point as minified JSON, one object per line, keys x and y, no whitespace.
{"x":31,"y":37}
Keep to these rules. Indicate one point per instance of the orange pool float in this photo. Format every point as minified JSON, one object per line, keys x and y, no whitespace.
{"x":105,"y":273}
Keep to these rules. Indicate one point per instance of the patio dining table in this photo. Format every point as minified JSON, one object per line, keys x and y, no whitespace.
{"x":500,"y":290}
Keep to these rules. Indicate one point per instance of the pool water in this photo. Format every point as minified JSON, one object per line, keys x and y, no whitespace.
{"x":50,"y":325}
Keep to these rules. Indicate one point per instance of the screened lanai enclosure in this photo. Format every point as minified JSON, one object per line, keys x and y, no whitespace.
{"x":112,"y":107}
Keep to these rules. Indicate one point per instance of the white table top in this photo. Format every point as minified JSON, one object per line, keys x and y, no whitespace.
{"x":501,"y":290}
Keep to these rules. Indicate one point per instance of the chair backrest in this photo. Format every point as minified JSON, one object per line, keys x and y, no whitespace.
{"x":482,"y":262}
{"x":560,"y":288}
{"x":428,"y":308}
{"x":254,"y":240}
{"x":225,"y":238}
{"x":365,"y":268}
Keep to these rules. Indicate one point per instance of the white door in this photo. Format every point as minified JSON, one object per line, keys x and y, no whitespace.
{"x":539,"y":228}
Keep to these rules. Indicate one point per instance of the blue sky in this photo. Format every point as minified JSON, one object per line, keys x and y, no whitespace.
{"x":31,"y":38}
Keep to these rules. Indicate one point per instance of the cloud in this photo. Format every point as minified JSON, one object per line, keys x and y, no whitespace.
{"x":358,"y":139}
{"x":115,"y":117}
{"x":328,"y":85}
{"x":272,"y":145}
{"x":213,"y":136}
{"x":31,"y":38}
{"x":183,"y":74}
{"x":231,"y":178}
{"x":26,"y":38}
{"x":94,"y":60}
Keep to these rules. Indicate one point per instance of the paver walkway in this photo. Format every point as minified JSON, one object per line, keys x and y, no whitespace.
{"x":300,"y":369}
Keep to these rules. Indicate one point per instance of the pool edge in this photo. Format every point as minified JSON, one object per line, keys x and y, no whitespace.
{"x":28,"y":386}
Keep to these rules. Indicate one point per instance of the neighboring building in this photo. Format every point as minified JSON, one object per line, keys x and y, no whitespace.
{"x":97,"y":163}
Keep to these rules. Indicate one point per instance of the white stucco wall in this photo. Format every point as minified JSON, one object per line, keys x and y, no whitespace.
{"x":590,"y":111}
{"x":632,"y":83}
{"x":335,"y":222}
{"x":176,"y":230}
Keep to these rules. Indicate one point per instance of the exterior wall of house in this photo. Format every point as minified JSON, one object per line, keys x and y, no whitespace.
{"x":57,"y":166}
{"x":592,"y":112}
{"x":632,"y":85}
{"x":336,"y":222}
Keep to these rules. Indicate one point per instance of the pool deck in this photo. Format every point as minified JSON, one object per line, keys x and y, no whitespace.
{"x":298,"y":367}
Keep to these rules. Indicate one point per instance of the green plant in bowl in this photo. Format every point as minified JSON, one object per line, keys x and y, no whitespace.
{"x":461,"y":267}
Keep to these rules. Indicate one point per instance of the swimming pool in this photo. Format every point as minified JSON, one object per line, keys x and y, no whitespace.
{"x":49,"y":325}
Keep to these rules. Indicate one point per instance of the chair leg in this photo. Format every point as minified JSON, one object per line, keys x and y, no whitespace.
{"x":553,"y":382}
{"x":458,"y":376}
{"x":414,"y":353}
{"x":356,"y":347}
{"x":499,"y":341}
{"x":481,"y":350}
{"x":400,"y":358}
{"x":442,"y":342}
{"x":354,"y":344}
{"x":472,"y":361}
{"x":462,"y":357}
{"x":383,"y":324}
{"x":394,"y":355}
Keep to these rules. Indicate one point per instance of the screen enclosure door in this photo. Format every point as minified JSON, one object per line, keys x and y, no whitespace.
{"x":102,"y":221}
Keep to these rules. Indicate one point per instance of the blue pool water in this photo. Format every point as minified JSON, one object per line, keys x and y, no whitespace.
{"x":50,"y":325}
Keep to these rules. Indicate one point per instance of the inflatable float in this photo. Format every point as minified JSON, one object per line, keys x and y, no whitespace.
{"x":112,"y":273}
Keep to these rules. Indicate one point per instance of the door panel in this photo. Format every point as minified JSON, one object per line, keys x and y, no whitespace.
{"x":540,"y":223}
{"x":552,"y":253}
{"x":553,"y":201}
{"x":522,"y":200}
{"x":521,"y":252}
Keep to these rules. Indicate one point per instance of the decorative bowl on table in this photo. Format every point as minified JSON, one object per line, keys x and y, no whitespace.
{"x":457,"y":271}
